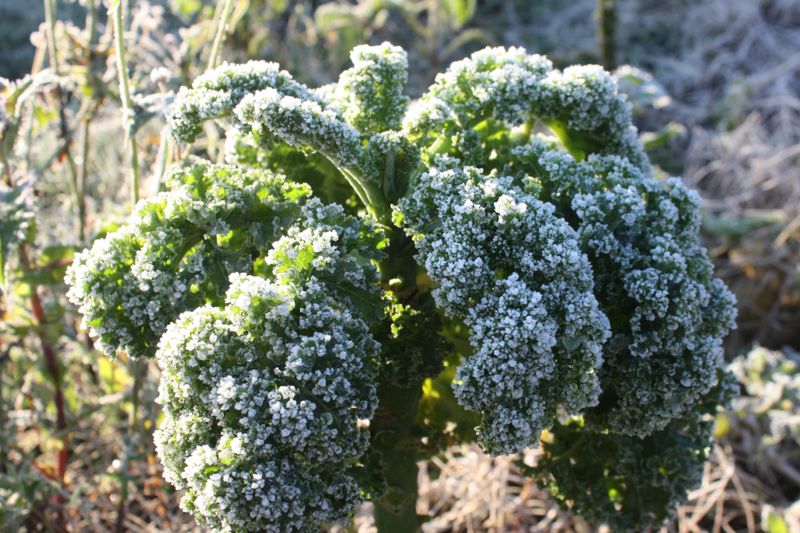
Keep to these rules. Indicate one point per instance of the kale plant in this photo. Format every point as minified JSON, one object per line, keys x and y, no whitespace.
{"x":504,"y":234}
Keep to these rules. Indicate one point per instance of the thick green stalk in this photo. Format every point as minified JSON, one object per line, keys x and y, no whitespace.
{"x":369,"y":195}
{"x":125,"y":96}
{"x":393,"y":436}
{"x":393,"y":428}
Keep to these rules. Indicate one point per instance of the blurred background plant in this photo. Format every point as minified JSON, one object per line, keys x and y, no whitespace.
{"x":714,"y":86}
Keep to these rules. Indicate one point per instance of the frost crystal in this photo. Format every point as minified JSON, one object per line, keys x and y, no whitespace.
{"x":177,"y":250}
{"x":370,"y":95}
{"x":651,"y":274}
{"x":499,"y":88}
{"x":542,"y":283}
{"x":217,"y":92}
{"x":264,"y":395}
{"x":514,"y":273}
{"x":262,"y":401}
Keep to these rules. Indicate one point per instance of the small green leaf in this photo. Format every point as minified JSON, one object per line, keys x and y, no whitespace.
{"x":15,"y":221}
{"x":462,"y":11}
{"x":776,"y":523}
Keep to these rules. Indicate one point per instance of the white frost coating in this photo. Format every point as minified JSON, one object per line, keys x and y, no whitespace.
{"x":511,"y":86}
{"x":130,"y":284}
{"x":370,"y":94}
{"x":264,"y":397}
{"x":301,"y":123}
{"x":513,"y":272}
{"x":652,"y":273}
{"x":215,"y":94}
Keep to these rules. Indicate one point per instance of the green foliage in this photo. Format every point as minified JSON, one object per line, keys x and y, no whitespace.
{"x":371,"y":95}
{"x":653,"y":281}
{"x":489,"y":274}
{"x":21,"y":491}
{"x":16,"y":216}
{"x":771,"y":381}
{"x":629,"y":482}
{"x":413,"y":346}
{"x":513,"y":273}
{"x":462,"y":11}
{"x":177,"y":251}
{"x":263,"y":396}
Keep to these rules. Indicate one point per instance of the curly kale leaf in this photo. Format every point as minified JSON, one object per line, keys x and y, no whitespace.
{"x":513,"y":272}
{"x":265,"y":394}
{"x":177,"y":250}
{"x":653,"y":279}
{"x":628,"y":482}
{"x":488,"y":102}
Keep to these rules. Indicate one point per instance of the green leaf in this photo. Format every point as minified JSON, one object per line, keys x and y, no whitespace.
{"x":187,"y":8}
{"x":56,"y":254}
{"x":15,"y":220}
{"x":776,"y":524}
{"x":440,"y":413}
{"x":44,"y":116}
{"x":462,"y":11}
{"x":656,"y":139}
{"x":736,"y":227}
{"x":367,"y":303}
{"x":334,"y":17}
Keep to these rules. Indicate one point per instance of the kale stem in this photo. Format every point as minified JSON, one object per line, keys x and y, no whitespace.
{"x":394,"y":438}
{"x":370,"y":196}
{"x":394,"y":427}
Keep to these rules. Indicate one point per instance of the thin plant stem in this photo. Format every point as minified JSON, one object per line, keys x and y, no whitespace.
{"x":51,"y":359}
{"x":164,"y":154}
{"x":82,"y":171}
{"x":137,"y":367}
{"x":72,"y":168}
{"x":219,"y":37}
{"x":83,"y":168}
{"x":50,"y":20}
{"x":4,"y":162}
{"x":38,"y":61}
{"x":606,"y":27}
{"x":116,"y":12}
{"x":91,"y":24}
{"x":53,"y":366}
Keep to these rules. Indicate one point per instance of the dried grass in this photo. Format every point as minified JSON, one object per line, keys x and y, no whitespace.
{"x":733,"y":70}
